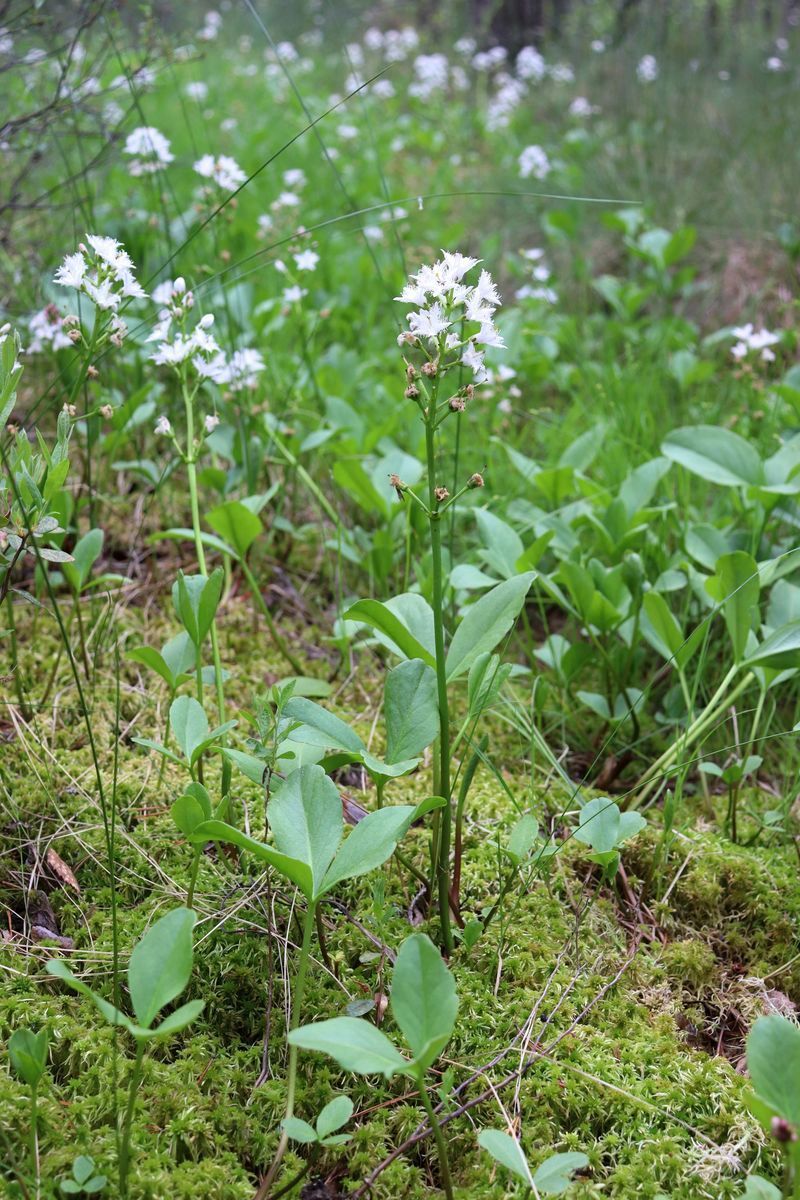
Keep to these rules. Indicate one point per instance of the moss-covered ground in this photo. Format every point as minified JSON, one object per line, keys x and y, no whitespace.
{"x":634,"y":998}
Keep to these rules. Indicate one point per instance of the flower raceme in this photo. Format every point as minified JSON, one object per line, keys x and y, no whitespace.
{"x":448,"y":309}
{"x":103,"y":272}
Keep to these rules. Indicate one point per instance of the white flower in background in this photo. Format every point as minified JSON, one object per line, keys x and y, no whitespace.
{"x":487,"y":60}
{"x":149,"y":149}
{"x":530,"y":64}
{"x":228,"y":125}
{"x":210,"y":422}
{"x":445,"y":305}
{"x":295,"y":177}
{"x":598,"y":45}
{"x":774,"y":63}
{"x":196,"y":90}
{"x":349,"y":132}
{"x":6,"y":42}
{"x":432,"y":72}
{"x":104,"y":273}
{"x":286,"y":52}
{"x":562,"y":73}
{"x":383,"y":89}
{"x":47,"y":329}
{"x":224,"y":171}
{"x":211,"y":26}
{"x":581,"y":107}
{"x":238,"y":372}
{"x":163,"y":426}
{"x":306,"y":260}
{"x":533,"y":161}
{"x":510,"y":93}
{"x":374,"y":39}
{"x":373,"y":233}
{"x":293,"y":294}
{"x":754,"y":341}
{"x":286,"y":200}
{"x":466,"y":46}
{"x":399,"y":43}
{"x":265,"y":225}
{"x":533,"y":254}
{"x":647,"y":69}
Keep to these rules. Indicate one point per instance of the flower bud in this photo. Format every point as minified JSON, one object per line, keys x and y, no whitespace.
{"x":106,"y":411}
{"x":441,"y":494}
{"x":411,"y":373}
{"x":431,"y":369}
{"x":207,"y":321}
{"x":70,"y":410}
{"x":412,"y":392}
{"x":75,"y":336}
{"x":179,"y":286}
{"x":457,"y":404}
{"x":475,"y":481}
{"x":92,"y":373}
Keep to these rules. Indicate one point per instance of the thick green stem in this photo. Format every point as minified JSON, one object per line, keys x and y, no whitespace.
{"x":441,"y":1144}
{"x":191,"y":473}
{"x":446,"y":821}
{"x":35,"y":1138}
{"x":125,"y":1147}
{"x":280,"y":644}
{"x":193,"y":877}
{"x":291,"y":1074}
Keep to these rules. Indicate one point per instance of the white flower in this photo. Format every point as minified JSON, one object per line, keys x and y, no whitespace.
{"x":106,"y":277}
{"x":286,"y":200}
{"x":150,"y":150}
{"x":47,"y":329}
{"x":383,"y":89}
{"x":295,"y":177}
{"x":530,"y":64}
{"x":163,"y":426}
{"x":224,"y":171}
{"x":348,"y":132}
{"x":162,"y":293}
{"x":428,"y":322}
{"x":580,"y":107}
{"x":533,"y":161}
{"x":373,"y":233}
{"x":473,"y":359}
{"x":72,"y":271}
{"x":647,"y":69}
{"x":211,"y":421}
{"x":774,"y":63}
{"x":750,"y":340}
{"x":431,"y":73}
{"x":212,"y":26}
{"x":598,"y":45}
{"x":196,"y":90}
{"x":294,"y":294}
{"x":306,"y":260}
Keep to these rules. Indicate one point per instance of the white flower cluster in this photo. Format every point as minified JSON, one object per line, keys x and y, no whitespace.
{"x":647,"y":69}
{"x":533,"y":162}
{"x":198,"y":347}
{"x":211,"y":26}
{"x":104,"y":273}
{"x":47,"y":330}
{"x":149,"y":150}
{"x":224,"y":171}
{"x":445,"y":305}
{"x":754,"y":341}
{"x":539,"y":288}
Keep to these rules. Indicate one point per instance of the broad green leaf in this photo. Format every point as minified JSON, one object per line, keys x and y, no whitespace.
{"x":178,"y":1019}
{"x":735,"y":587}
{"x":507,"y":1151}
{"x":248,"y":764}
{"x":57,"y":967}
{"x":773,"y":1061}
{"x":336,"y":1113}
{"x":191,"y":809}
{"x":84,"y":555}
{"x":370,"y":843}
{"x":603,"y":827}
{"x":189,"y":724}
{"x":161,"y":963}
{"x":486,"y":622}
{"x":295,"y":870}
{"x":305,"y":815}
{"x":320,"y":727}
{"x":354,"y":1044}
{"x":503,"y":544}
{"x":757,"y":1188}
{"x":781,"y":649}
{"x":555,"y":1174}
{"x":299,"y":1131}
{"x":661,"y":630}
{"x":392,"y":630}
{"x":28,"y":1054}
{"x":410,"y":709}
{"x":715,"y":454}
{"x":148,"y":656}
{"x":522,"y":837}
{"x":423,"y":999}
{"x":236,"y":525}
{"x":196,"y":598}
{"x":486,"y":677}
